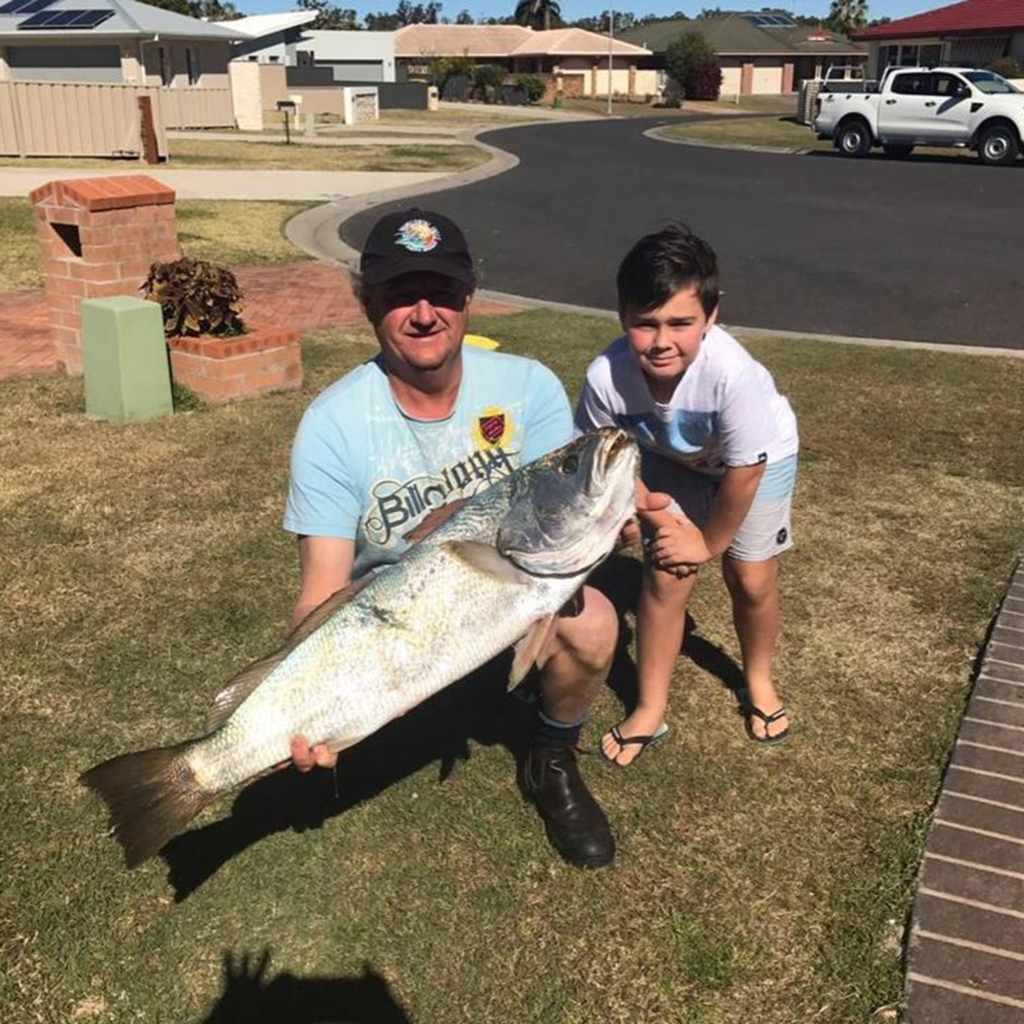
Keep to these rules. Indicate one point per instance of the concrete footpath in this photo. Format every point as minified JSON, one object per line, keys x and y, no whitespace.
{"x":322,"y":186}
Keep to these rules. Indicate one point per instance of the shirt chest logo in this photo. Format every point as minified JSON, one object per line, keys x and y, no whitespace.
{"x":493,"y":428}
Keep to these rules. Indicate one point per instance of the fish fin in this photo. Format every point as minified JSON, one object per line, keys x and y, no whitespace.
{"x":151,"y":795}
{"x":227,"y":702}
{"x":322,"y":612}
{"x":487,"y":559}
{"x":531,"y":650}
{"x":433,"y":519}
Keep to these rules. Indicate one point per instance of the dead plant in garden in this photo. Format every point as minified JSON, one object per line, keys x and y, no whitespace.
{"x":196,"y":297}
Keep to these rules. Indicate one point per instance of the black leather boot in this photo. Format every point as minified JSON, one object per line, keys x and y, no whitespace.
{"x":573,"y":819}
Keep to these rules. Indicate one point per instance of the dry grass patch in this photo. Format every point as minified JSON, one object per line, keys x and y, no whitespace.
{"x":275,"y":155}
{"x":780,"y":133}
{"x":143,"y":566}
{"x":233,"y":233}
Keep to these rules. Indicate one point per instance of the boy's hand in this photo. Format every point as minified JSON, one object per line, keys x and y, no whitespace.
{"x":305,"y":757}
{"x":678,"y":546}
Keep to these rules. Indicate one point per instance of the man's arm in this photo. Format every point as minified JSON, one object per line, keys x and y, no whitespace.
{"x":326,"y":566}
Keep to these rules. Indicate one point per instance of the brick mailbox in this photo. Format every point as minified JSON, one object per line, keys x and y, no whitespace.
{"x":98,"y":237}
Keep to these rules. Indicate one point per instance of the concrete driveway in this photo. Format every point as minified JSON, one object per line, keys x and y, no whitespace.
{"x":926,"y":249}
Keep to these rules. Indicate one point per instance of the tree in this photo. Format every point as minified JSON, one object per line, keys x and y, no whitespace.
{"x":405,"y":13}
{"x":211,"y":10}
{"x":539,"y":14}
{"x":847,"y":16}
{"x":464,"y":18}
{"x":693,"y":64}
{"x":623,"y":21}
{"x":330,"y":17}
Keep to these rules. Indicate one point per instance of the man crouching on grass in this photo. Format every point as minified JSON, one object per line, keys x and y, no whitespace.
{"x":426,"y":423}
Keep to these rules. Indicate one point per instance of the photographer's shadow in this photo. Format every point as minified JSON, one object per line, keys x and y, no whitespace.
{"x":249,"y":998}
{"x":476,"y":708}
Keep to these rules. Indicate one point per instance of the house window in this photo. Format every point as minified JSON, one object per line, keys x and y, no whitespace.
{"x":166,"y":74}
{"x":908,"y":56}
{"x":192,"y":65}
{"x":931,"y":55}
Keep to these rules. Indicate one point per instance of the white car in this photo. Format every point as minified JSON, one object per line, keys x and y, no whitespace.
{"x":944,"y":106}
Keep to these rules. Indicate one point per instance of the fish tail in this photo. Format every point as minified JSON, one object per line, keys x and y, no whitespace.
{"x":151,"y":796}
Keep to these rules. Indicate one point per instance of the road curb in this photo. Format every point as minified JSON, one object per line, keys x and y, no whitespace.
{"x":658,"y":135}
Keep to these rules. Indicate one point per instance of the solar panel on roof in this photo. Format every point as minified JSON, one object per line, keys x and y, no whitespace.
{"x":25,"y":6}
{"x":81,"y":19}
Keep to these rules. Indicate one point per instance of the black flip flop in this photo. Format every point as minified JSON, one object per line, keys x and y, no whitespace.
{"x":624,"y":741}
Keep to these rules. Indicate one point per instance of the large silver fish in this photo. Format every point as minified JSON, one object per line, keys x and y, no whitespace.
{"x":495,"y":573}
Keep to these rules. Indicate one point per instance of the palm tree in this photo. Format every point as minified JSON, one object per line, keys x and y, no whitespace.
{"x":538,"y":14}
{"x":847,"y":16}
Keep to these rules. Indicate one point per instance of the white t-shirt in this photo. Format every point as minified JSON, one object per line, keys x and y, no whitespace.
{"x":725,"y":410}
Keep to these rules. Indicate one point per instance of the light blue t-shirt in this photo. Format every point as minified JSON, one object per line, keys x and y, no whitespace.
{"x":363,"y":470}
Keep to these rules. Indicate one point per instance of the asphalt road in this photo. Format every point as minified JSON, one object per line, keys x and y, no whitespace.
{"x":928,"y":249}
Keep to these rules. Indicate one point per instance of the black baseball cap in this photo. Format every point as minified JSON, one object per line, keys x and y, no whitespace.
{"x":408,"y":241}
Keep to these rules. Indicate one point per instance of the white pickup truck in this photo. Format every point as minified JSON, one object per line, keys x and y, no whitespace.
{"x":945,"y":106}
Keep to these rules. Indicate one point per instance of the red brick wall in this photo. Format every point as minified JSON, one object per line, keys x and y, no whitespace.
{"x":123,"y":225}
{"x":222,"y":369}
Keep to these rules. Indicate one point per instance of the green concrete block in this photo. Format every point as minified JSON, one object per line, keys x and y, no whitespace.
{"x":124,"y":360}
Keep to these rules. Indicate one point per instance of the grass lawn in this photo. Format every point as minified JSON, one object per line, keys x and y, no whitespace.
{"x":234,"y":233}
{"x":783,"y":132}
{"x":143,"y":566}
{"x":276,"y":156}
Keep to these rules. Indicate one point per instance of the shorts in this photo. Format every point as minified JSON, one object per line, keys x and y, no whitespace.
{"x":766,"y":531}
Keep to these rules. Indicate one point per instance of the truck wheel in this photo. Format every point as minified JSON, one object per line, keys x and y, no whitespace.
{"x":854,"y":139}
{"x":998,"y":145}
{"x":898,"y":152}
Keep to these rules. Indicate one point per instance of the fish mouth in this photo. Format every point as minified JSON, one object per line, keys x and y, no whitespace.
{"x":614,"y":444}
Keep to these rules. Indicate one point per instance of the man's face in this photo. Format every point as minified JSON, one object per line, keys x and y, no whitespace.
{"x":666,"y":340}
{"x":420,"y":319}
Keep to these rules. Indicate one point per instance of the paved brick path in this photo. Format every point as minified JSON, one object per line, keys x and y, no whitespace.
{"x":26,"y":346}
{"x":306,"y":295}
{"x":965,"y":962}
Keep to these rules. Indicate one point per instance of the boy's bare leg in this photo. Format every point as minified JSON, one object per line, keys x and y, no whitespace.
{"x":755,"y":612}
{"x":660,"y":618}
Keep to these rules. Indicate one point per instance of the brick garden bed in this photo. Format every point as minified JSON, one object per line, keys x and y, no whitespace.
{"x":221,"y":370}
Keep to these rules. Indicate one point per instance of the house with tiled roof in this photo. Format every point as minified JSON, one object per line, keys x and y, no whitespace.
{"x":577,"y":59}
{"x":759,"y":51}
{"x":972,"y":33}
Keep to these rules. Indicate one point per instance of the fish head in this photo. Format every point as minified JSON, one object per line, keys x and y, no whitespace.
{"x":568,"y":507}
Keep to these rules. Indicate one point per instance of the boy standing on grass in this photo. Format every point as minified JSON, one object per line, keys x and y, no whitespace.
{"x":721,"y":442}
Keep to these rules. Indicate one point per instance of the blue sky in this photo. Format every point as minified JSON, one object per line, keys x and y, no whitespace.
{"x":572,"y":9}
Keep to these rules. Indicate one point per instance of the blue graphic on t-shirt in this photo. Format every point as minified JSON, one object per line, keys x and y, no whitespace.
{"x":686,"y":432}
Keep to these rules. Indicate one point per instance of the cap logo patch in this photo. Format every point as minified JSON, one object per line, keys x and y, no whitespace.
{"x":418,"y":236}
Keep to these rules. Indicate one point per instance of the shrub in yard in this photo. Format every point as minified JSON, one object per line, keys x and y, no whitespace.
{"x":692,"y":63}
{"x":487,"y":79}
{"x":1007,"y":67}
{"x":196,"y":297}
{"x":532,"y":85}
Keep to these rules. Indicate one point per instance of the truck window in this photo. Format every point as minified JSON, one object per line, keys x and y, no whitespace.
{"x":989,"y":82}
{"x":912,"y":83}
{"x":947,"y":86}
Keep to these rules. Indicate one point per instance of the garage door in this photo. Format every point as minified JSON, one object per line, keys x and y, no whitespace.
{"x":767,"y":76}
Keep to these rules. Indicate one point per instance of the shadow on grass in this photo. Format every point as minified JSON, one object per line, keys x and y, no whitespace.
{"x":476,"y":708}
{"x":249,"y":998}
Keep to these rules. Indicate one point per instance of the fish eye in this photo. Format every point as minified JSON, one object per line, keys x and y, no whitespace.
{"x":569,"y":465}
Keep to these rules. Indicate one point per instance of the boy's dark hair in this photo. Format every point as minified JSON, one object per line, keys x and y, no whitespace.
{"x":660,"y":264}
